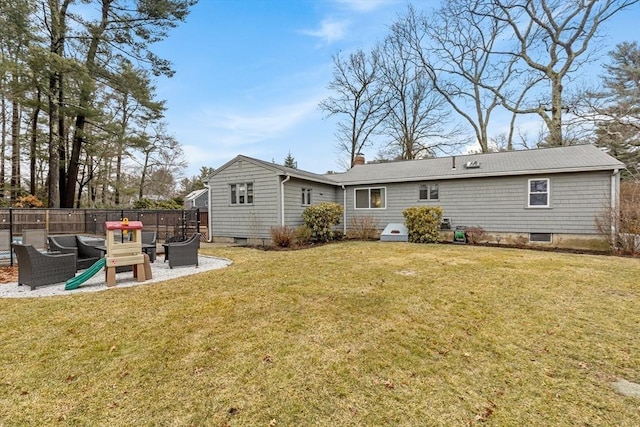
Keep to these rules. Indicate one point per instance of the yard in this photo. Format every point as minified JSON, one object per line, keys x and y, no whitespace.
{"x":347,"y":334}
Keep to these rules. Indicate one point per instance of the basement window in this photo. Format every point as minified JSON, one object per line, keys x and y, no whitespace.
{"x":541,"y":237}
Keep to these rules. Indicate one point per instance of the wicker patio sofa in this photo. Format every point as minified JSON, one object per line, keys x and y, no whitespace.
{"x":183,"y":253}
{"x":85,"y":251}
{"x":36,"y":268}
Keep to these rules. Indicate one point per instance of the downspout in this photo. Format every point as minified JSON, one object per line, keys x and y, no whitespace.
{"x":209,"y":229}
{"x":615,"y":214}
{"x":344,"y":210}
{"x":282,"y":199}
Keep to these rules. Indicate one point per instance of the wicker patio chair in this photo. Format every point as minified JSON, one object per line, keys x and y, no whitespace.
{"x":183,"y":253}
{"x":165,"y":245}
{"x":150,"y":238}
{"x":36,"y":268}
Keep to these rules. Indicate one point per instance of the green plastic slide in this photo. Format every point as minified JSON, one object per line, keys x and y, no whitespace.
{"x":74,"y":282}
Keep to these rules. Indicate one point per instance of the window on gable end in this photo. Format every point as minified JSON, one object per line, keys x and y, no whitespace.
{"x":538,"y":193}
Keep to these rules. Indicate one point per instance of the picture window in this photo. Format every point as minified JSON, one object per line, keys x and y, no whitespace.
{"x":370,"y":198}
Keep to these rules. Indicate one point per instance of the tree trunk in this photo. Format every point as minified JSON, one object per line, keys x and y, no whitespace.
{"x":555,"y":128}
{"x":33,"y":144}
{"x":53,"y":194}
{"x":3,"y":144}
{"x":58,"y":28}
{"x":15,"y":151}
{"x":85,"y":101}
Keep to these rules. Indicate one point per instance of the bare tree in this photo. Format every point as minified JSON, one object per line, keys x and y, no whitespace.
{"x":552,"y":39}
{"x":416,"y":121}
{"x":359,"y":100}
{"x":160,"y":156}
{"x":454,"y":46}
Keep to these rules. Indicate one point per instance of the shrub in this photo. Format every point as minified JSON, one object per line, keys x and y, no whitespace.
{"x":145,"y":203}
{"x":423,"y":223}
{"x":321,"y":219}
{"x":363,"y":227}
{"x":518,"y":241}
{"x":627,"y":220}
{"x":475,"y":235}
{"x":29,"y":201}
{"x":283,"y":236}
{"x":303,"y":235}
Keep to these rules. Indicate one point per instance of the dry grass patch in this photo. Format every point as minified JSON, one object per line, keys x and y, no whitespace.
{"x":336,"y":335}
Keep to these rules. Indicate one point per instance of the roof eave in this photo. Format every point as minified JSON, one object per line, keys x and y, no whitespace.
{"x":484,"y":175}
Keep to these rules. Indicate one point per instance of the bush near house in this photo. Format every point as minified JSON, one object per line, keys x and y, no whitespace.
{"x":321,"y":219}
{"x":476,"y":235}
{"x":303,"y":235}
{"x":626,"y":241}
{"x":363,"y":227}
{"x":423,"y":223}
{"x":283,"y":236}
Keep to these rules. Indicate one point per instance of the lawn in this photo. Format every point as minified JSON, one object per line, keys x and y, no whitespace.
{"x":347,"y":334}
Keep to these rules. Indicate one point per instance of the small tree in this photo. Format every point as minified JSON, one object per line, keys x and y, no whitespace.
{"x":363,"y":227}
{"x":290,"y":162}
{"x":423,"y":223}
{"x":626,"y":239}
{"x":321,"y":219}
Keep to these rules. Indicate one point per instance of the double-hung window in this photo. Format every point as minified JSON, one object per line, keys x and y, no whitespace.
{"x":428,"y":192}
{"x":538,"y":193}
{"x":242,"y":194}
{"x":306,"y":197}
{"x":370,"y":198}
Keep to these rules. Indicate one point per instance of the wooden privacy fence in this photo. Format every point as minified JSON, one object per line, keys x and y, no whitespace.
{"x":18,"y":223}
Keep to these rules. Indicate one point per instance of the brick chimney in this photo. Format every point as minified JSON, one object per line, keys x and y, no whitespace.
{"x":358,"y":159}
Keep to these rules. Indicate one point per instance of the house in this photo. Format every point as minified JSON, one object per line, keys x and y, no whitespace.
{"x":551,"y":195}
{"x":198,"y":199}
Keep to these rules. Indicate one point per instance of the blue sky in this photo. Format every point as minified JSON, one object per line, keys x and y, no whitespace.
{"x":250,"y":74}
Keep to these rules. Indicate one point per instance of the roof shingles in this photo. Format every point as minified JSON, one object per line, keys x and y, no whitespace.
{"x":548,"y":160}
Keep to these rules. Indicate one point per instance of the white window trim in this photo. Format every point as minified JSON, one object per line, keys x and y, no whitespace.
{"x":429,"y":185}
{"x":369,"y":198}
{"x":548,"y":205}
{"x":307,"y":191}
{"x":246,"y":194}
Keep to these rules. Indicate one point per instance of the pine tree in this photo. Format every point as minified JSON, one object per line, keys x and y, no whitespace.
{"x":290,"y":162}
{"x":618,"y":123}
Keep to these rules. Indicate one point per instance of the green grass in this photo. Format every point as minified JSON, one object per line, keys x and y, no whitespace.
{"x":348,"y":334}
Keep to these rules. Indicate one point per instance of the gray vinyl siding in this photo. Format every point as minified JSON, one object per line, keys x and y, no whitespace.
{"x":293,"y":198}
{"x":500,"y":204}
{"x":245,"y":221}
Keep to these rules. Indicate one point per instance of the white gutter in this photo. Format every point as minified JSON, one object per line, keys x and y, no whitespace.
{"x":615,"y":214}
{"x":344,"y":211}
{"x":282,"y":198}
{"x":209,"y":230}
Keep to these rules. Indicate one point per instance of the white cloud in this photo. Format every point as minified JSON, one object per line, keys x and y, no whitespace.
{"x":235,"y":128}
{"x":330,"y":31}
